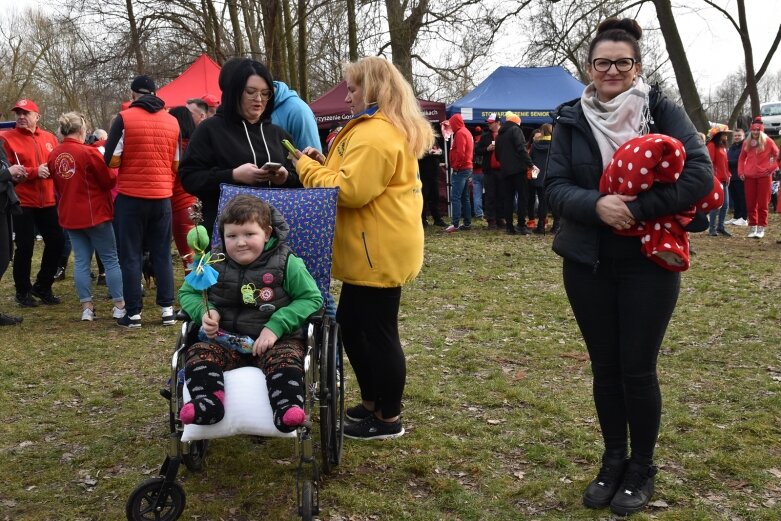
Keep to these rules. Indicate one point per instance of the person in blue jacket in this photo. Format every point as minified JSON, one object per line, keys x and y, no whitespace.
{"x":294,"y":115}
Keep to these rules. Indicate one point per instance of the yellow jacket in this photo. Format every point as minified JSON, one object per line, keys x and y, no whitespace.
{"x":379,"y":232}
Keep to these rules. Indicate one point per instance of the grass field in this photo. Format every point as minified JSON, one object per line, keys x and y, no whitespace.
{"x":498,"y":406}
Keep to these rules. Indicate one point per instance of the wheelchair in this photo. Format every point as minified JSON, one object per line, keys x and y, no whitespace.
{"x":311,"y":216}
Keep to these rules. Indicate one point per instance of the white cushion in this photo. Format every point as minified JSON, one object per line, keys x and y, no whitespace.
{"x":247,"y":409}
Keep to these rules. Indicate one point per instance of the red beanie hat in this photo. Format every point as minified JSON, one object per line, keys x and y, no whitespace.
{"x":757,"y":124}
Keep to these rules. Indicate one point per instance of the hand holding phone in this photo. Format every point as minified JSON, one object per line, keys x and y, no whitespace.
{"x":270,"y":165}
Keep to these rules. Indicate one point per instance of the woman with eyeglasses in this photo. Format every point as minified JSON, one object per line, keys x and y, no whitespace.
{"x":622,"y":301}
{"x":238,"y":143}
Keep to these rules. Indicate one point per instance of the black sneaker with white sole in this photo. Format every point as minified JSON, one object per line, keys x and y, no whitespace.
{"x":129,"y":322}
{"x":599,"y":493}
{"x":357,"y":413}
{"x":372,"y":428}
{"x":635,"y":490}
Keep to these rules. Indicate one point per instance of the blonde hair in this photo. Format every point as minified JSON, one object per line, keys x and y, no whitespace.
{"x":760,"y":141}
{"x":384,"y":86}
{"x":71,"y":123}
{"x":546,"y":129}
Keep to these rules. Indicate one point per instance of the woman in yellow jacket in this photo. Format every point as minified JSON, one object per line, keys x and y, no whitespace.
{"x":378,"y":243}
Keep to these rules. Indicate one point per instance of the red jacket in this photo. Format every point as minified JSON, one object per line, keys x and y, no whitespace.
{"x":181,"y":199}
{"x":84,"y":183}
{"x":149,"y":157}
{"x":718,"y":156}
{"x":31,"y":149}
{"x":463,"y":146}
{"x":753,"y":162}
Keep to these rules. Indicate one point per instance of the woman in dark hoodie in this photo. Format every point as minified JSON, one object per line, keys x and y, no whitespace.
{"x":539,"y":154}
{"x":233,"y":146}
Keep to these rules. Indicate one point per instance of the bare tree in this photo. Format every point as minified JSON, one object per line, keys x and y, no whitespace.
{"x":752,"y":77}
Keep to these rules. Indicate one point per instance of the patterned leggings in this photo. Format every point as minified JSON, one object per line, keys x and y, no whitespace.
{"x":283,"y":366}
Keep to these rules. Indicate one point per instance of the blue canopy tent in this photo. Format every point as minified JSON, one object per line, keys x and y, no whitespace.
{"x":530,"y":92}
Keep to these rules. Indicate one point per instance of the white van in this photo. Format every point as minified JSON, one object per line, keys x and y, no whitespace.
{"x":771,"y":117}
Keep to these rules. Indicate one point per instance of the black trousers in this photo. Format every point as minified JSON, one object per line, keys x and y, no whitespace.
{"x":369,"y":320}
{"x":493,"y":202}
{"x":623,"y":310}
{"x":737,"y":197}
{"x":45,"y":219}
{"x":430,"y":182}
{"x":515,"y":185}
{"x":5,"y":241}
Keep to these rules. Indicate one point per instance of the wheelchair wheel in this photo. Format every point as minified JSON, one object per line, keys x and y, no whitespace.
{"x":140,"y":505}
{"x":331,"y":400}
{"x":195,"y":454}
{"x":308,"y":502}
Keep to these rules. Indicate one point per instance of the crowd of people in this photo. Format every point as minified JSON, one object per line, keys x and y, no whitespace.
{"x":126,"y":194}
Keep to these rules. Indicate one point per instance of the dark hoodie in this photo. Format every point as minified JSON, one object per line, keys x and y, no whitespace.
{"x":218,"y":146}
{"x":511,"y":150}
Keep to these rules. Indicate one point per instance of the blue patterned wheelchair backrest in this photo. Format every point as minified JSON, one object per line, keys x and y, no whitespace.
{"x":311,"y":215}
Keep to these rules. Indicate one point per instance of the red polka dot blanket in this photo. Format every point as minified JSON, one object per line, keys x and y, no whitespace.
{"x":635,"y":167}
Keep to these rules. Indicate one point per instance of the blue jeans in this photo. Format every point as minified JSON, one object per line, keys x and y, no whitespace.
{"x":85,"y":242}
{"x":721,"y":212}
{"x":477,"y":193}
{"x":144,"y":223}
{"x":459,"y":197}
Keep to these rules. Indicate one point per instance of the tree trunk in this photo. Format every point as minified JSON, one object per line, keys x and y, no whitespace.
{"x":352,"y":31}
{"x":403,"y":33}
{"x":683,"y":73}
{"x":135,"y":39}
{"x":251,"y":28}
{"x":289,"y":54}
{"x":751,"y":79}
{"x":303,"y":79}
{"x":238,"y":39}
{"x":271,"y":26}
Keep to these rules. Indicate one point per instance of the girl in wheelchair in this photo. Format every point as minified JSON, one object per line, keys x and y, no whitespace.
{"x":263,"y":292}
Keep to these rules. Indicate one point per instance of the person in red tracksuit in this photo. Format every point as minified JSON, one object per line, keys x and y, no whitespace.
{"x":27,"y":147}
{"x":756,"y":165}
{"x":86,"y":211}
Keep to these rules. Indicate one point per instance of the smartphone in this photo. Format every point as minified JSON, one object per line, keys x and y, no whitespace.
{"x":272,"y":166}
{"x":289,"y":146}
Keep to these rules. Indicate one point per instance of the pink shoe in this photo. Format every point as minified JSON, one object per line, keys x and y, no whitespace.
{"x":294,"y":417}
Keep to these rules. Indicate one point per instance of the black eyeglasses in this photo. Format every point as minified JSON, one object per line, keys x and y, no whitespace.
{"x":622,"y":64}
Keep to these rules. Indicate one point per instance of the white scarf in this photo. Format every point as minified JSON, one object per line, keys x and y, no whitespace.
{"x":617,"y":121}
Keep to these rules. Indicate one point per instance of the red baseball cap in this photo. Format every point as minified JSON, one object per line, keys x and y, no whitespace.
{"x":27,"y":105}
{"x":211,"y":100}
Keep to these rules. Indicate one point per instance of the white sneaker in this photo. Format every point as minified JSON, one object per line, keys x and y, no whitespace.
{"x":740,"y":222}
{"x":760,"y":232}
{"x":88,"y":315}
{"x":752,"y":234}
{"x":168,"y":317}
{"x":731,"y":221}
{"x":118,"y":313}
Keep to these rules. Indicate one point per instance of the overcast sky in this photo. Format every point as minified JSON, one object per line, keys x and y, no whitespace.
{"x":713,"y":46}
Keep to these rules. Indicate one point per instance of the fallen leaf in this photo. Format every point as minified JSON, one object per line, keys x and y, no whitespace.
{"x":659,"y":503}
{"x":519,"y":474}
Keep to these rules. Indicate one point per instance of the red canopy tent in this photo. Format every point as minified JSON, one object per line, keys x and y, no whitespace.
{"x":200,"y":78}
{"x":330,"y":108}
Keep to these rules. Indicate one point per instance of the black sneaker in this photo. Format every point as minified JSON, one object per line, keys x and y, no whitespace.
{"x":129,"y":322}
{"x":724,"y":232}
{"x":465,"y":227}
{"x":60,"y":274}
{"x":372,"y":428}
{"x":522,"y":229}
{"x":357,"y":413}
{"x":101,"y":279}
{"x":440,"y":223}
{"x":46,"y":296}
{"x":26,"y":300}
{"x":599,"y":493}
{"x":635,"y":490}
{"x":9,"y":320}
